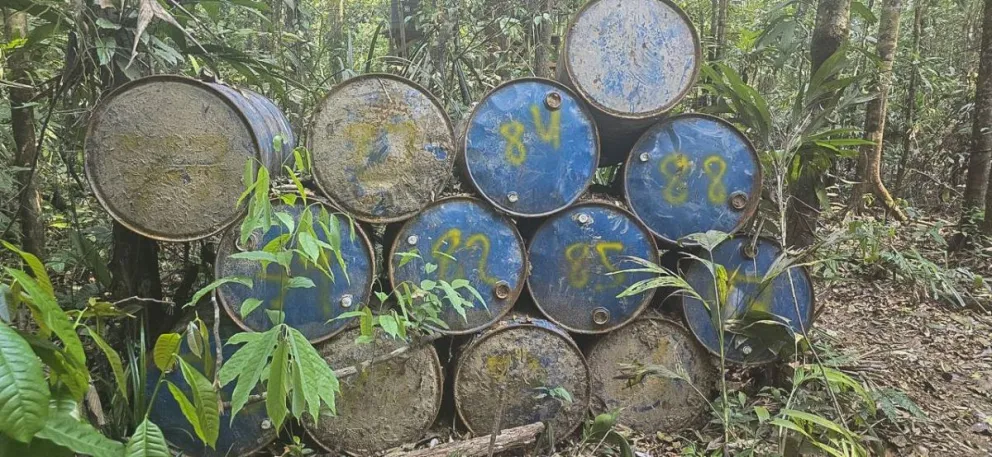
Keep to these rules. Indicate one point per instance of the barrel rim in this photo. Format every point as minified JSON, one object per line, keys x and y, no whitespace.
{"x":697,"y":64}
{"x":648,"y":294}
{"x":582,"y":106}
{"x":514,"y":323}
{"x":234,"y":314}
{"x":515,"y":293}
{"x":438,"y":370}
{"x":94,"y":181}
{"x":683,"y":301}
{"x":681,"y":328}
{"x":318,"y":180}
{"x":754,"y":198}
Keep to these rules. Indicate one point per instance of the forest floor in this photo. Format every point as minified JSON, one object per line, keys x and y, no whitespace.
{"x":940,"y":357}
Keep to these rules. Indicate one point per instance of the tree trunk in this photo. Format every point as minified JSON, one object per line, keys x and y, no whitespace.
{"x":22,"y":124}
{"x":981,"y":132}
{"x":910,"y":136}
{"x":829,"y":34}
{"x":721,"y":29}
{"x":870,"y":161}
{"x":542,"y":52}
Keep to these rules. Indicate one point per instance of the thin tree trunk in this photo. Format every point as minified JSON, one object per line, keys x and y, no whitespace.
{"x":542,"y":52}
{"x":721,"y":29}
{"x":910,"y":135}
{"x":829,"y":34}
{"x":870,"y":161}
{"x":22,"y":124}
{"x":981,"y":132}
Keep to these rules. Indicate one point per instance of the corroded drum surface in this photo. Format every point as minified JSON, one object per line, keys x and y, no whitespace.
{"x":632,"y":60}
{"x":691,"y":174}
{"x":382,"y":147}
{"x":388,"y":404}
{"x":466,"y":240}
{"x":788,"y":296}
{"x":311,"y":310}
{"x":531,"y":147}
{"x":503,"y":377}
{"x":656,"y":403}
{"x":250,"y":431}
{"x":576,"y":256}
{"x":165,"y":154}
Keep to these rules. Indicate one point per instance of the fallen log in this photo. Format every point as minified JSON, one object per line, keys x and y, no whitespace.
{"x":482,"y":446}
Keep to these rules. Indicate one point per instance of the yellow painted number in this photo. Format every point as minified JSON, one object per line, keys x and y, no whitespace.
{"x":515,"y":150}
{"x":450,"y":244}
{"x":761,"y":302}
{"x":579,"y":256}
{"x":513,"y":133}
{"x":552,"y":132}
{"x":715,"y":168}
{"x":578,"y":274}
{"x":675,"y":168}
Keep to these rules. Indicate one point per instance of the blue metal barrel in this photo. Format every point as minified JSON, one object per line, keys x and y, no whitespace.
{"x":631,"y":61}
{"x":310,"y":310}
{"x":465,"y":239}
{"x":656,"y":403}
{"x":691,"y":174}
{"x":251,"y":430}
{"x":382,"y":147}
{"x":165,"y":154}
{"x":508,"y":375}
{"x":788,"y":296}
{"x":531,"y":147}
{"x":572,"y":256}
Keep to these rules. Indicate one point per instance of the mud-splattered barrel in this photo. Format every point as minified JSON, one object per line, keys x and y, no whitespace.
{"x":786,"y":297}
{"x":632,"y":61}
{"x":656,"y":402}
{"x":387,"y":404}
{"x":382,"y":147}
{"x":520,"y":371}
{"x":577,"y":257}
{"x":165,"y":155}
{"x":531,"y":147}
{"x":691,"y":174}
{"x":310,"y":308}
{"x":250,"y":431}
{"x":465,"y":240}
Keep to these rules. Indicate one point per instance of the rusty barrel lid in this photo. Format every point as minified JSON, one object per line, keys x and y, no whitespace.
{"x":385,"y":405}
{"x":311,"y":310}
{"x":657,"y":403}
{"x":505,"y":375}
{"x":691,"y":174}
{"x":531,"y":147}
{"x":574,"y":255}
{"x":250,"y":431}
{"x":382,"y":147}
{"x":165,"y":154}
{"x":789,"y":296}
{"x":466,"y":240}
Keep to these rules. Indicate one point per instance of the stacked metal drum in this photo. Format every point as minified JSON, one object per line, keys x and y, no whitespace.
{"x":165,"y":156}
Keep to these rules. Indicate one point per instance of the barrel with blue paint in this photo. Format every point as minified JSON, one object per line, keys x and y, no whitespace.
{"x":165,"y":154}
{"x":382,"y":147}
{"x":311,"y":310}
{"x":464,"y":239}
{"x":531,"y":147}
{"x":788,"y":297}
{"x":656,"y":402}
{"x":577,"y":257}
{"x":514,"y":373}
{"x":250,"y":431}
{"x":387,"y":404}
{"x":691,"y":174}
{"x":632,"y":61}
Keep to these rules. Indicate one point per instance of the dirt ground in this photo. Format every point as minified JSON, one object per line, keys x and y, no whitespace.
{"x":942,"y":358}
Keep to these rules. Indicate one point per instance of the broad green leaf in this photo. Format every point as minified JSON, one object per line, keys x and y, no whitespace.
{"x":80,"y":437}
{"x":315,"y":371}
{"x":246,"y":365}
{"x":166,"y":347}
{"x":249,"y":305}
{"x":309,"y":245}
{"x":366,"y":322}
{"x":36,"y":266}
{"x":24,"y":393}
{"x":300,"y":282}
{"x":53,"y":316}
{"x":389,"y":325}
{"x":275,"y":400}
{"x":61,"y":370}
{"x":187,"y":408}
{"x":304,"y":388}
{"x":220,"y":282}
{"x":115,"y":362}
{"x":287,"y":220}
{"x":762,"y":413}
{"x":147,"y":441}
{"x":193,"y":339}
{"x":206,"y":399}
